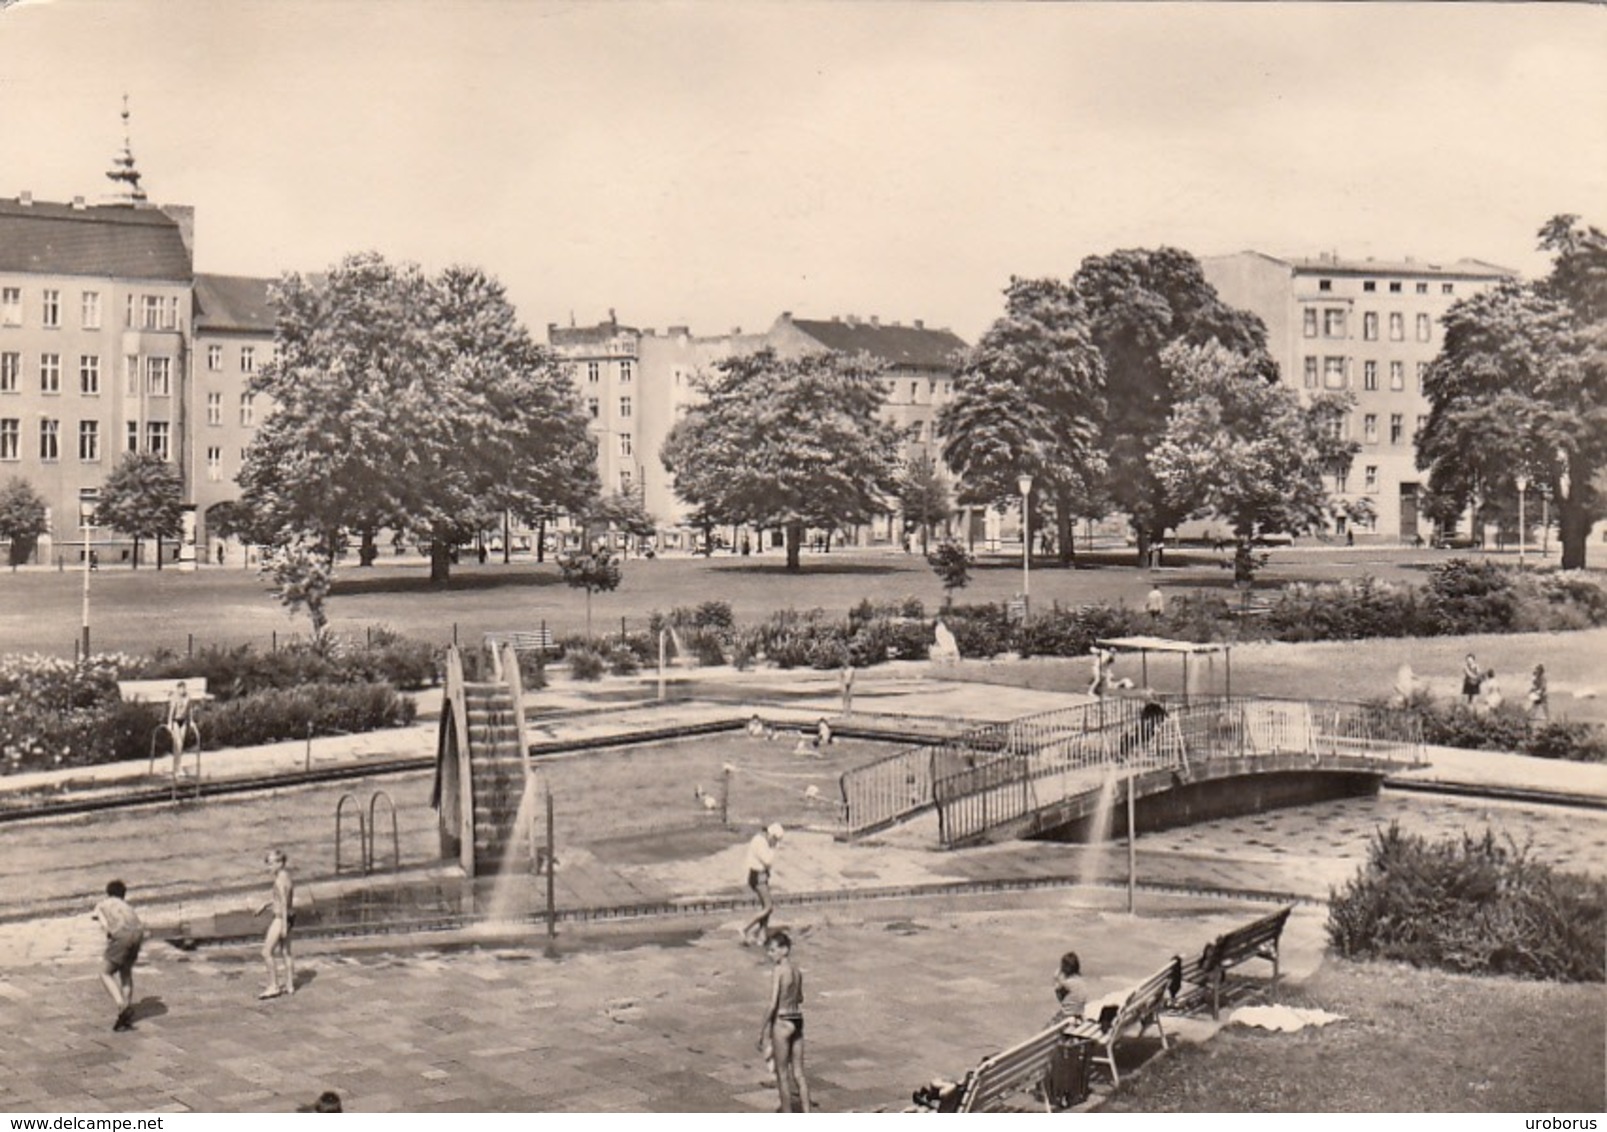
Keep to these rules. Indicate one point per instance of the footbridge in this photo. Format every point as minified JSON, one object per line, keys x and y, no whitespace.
{"x":1055,"y":774}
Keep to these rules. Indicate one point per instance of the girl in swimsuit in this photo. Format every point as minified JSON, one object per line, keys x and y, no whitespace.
{"x":783,"y":1029}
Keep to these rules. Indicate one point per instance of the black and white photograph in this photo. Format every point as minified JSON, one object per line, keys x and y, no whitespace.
{"x":549,"y":543}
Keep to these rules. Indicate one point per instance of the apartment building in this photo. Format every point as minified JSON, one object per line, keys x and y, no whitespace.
{"x":1368,"y":326}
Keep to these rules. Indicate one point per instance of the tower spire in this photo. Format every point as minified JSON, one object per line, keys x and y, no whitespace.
{"x":123,"y":173}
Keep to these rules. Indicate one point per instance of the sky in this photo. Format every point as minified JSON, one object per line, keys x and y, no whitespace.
{"x":716,"y":163}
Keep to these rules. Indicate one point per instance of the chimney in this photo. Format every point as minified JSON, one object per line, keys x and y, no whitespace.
{"x":612,"y":321}
{"x":920,"y":324}
{"x":25,"y":198}
{"x":678,"y":331}
{"x":735,"y":330}
{"x":898,"y":323}
{"x":650,"y":333}
{"x":78,"y":204}
{"x":786,"y":316}
{"x":875,"y":320}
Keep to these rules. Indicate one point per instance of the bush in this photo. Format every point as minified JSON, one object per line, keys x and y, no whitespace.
{"x":585,"y":663}
{"x":983,"y":630}
{"x":1072,"y":632}
{"x":1468,"y":596}
{"x":231,"y":673}
{"x":1471,"y":906}
{"x":1508,"y":728}
{"x":331,"y":709}
{"x":1350,"y":610}
{"x":622,"y":661}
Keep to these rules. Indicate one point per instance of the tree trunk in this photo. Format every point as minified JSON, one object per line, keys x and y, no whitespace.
{"x":1243,"y":557}
{"x":926,"y":538}
{"x":541,"y":540}
{"x":158,"y":552}
{"x":369,"y":550}
{"x":440,"y":561}
{"x":795,"y":533}
{"x":1573,"y":531}
{"x":1143,"y":544}
{"x":136,"y":552}
{"x":1065,"y":529}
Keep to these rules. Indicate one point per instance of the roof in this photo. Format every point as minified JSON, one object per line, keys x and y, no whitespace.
{"x":1338,"y":265}
{"x":1158,"y":644}
{"x":98,"y":240}
{"x":899,"y":345}
{"x":233,"y":302}
{"x":599,"y":335}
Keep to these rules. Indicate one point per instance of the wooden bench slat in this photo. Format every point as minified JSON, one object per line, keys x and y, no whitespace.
{"x":1020,"y":1067}
{"x":156,"y":691}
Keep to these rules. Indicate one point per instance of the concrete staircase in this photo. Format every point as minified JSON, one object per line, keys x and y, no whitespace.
{"x":497,"y":763}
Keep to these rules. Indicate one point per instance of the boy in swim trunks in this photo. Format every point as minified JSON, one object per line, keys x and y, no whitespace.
{"x":124,"y":934}
{"x":783,"y":1029}
{"x":276,"y":942}
{"x":760,"y":860}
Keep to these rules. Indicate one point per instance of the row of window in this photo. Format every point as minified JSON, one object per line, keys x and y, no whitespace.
{"x":1335,"y":324}
{"x":248,"y":409}
{"x":158,"y":373}
{"x":1371,"y":285}
{"x":1397,"y":427}
{"x":248,"y":359}
{"x":595,"y":407}
{"x":146,"y":312}
{"x":158,"y":437}
{"x":1335,"y":373}
{"x":594,"y":372}
{"x":1369,"y":481}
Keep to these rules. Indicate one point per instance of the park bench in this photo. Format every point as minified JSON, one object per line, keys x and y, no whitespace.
{"x":157,"y":692}
{"x":1205,"y":975}
{"x":1141,"y":1007}
{"x":1002,"y":1081}
{"x":522,"y":640}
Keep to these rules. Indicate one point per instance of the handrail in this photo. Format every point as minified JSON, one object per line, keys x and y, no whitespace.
{"x":362,"y":830}
{"x":373,"y":830}
{"x":178,"y":756}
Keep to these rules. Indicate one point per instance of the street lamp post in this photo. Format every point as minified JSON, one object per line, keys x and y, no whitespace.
{"x":87,"y":516}
{"x":1025,"y":484}
{"x":1523,"y":487}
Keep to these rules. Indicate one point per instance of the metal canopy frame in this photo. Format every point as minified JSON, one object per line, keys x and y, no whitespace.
{"x":1143,"y":646}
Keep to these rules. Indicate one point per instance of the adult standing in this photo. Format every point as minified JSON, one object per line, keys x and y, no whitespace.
{"x":179,"y":709}
{"x":124,"y":935}
{"x":761,"y":859}
{"x":1539,"y":696}
{"x":276,"y":941}
{"x":1472,"y":677}
{"x":1155,"y":604}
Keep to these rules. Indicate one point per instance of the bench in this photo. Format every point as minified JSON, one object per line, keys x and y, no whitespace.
{"x":1141,"y":1007}
{"x":522,"y":640}
{"x":1206,"y":974}
{"x":1022,"y":1070}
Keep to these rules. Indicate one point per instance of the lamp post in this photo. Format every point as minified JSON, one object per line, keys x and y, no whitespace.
{"x":1523,"y":487}
{"x":1025,"y":484}
{"x":86,"y":514}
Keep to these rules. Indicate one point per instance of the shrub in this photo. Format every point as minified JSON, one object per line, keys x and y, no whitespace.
{"x":1349,"y":610}
{"x":1508,"y":728}
{"x":982,"y":630}
{"x":585,"y":663}
{"x":1468,"y":596}
{"x":1072,"y":632}
{"x":622,"y":661}
{"x":269,"y":717}
{"x":1470,"y":905}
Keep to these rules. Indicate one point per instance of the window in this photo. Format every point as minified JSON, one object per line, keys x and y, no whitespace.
{"x":1311,"y":372}
{"x":624,"y":444}
{"x":159,"y":377}
{"x":1369,"y":428}
{"x":11,"y":308}
{"x":1341,"y":483}
{"x":88,"y":498}
{"x":214,"y":464}
{"x":248,"y":359}
{"x":1397,"y":327}
{"x":214,"y":358}
{"x":1395,"y":288}
{"x":1370,"y":285}
{"x":248,"y":409}
{"x":624,"y":371}
{"x":1369,"y":375}
{"x":1369,"y":326}
{"x":1310,"y":322}
{"x":1396,"y":428}
{"x":1423,"y":331}
{"x":156,"y":437}
{"x":131,"y":430}
{"x":1422,"y":288}
{"x":214,"y":408}
{"x":9,"y":430}
{"x":918,"y":432}
{"x":1333,"y":323}
{"x":1397,"y":375}
{"x":1447,"y":288}
{"x":89,"y":310}
{"x":89,"y":441}
{"x":1325,"y":284}
{"x":1422,"y":375}
{"x":625,"y":481}
{"x":151,"y":311}
{"x":171,"y":322}
{"x":131,"y":375}
{"x":915,"y":391}
{"x":595,"y":407}
{"x":624,"y":407}
{"x":50,"y":308}
{"x":50,"y":373}
{"x":49,"y":439}
{"x":1370,"y":478}
{"x":931,"y":388}
{"x":594,"y":372}
{"x":1333,"y":373}
{"x":89,"y":375}
{"x":10,"y":367}
{"x":128,"y":310}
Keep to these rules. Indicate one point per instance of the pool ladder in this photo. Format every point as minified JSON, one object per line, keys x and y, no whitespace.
{"x":366,"y":831}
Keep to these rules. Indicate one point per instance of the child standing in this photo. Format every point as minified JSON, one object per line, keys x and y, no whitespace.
{"x":276,"y":941}
{"x":783,"y":1028}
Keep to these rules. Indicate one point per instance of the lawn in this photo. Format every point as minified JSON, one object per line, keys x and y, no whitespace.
{"x":1412,"y":1041}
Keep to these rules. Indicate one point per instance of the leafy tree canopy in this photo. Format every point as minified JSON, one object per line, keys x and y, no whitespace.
{"x":623,"y":511}
{"x":143,"y":498}
{"x":923,"y":495}
{"x":1520,"y":388}
{"x":22,"y":518}
{"x":793,"y":443}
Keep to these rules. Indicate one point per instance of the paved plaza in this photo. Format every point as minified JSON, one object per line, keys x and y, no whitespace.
{"x":917,"y":962}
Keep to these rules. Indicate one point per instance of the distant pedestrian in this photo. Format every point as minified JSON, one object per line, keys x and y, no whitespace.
{"x":1490,"y":691}
{"x":845,"y":678}
{"x":94,"y":560}
{"x":1539,"y":696}
{"x":220,"y":554}
{"x":1155,"y":604}
{"x":760,"y":860}
{"x":1472,"y":677}
{"x":276,"y":941}
{"x":124,"y":935}
{"x":782,"y":1031}
{"x":823,"y":735}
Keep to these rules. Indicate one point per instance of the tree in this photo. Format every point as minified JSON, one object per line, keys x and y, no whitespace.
{"x":143,"y":498}
{"x":1520,"y":388}
{"x":302,"y":578}
{"x":410,"y":401}
{"x":23,"y":518}
{"x":622,"y":511}
{"x":1139,"y":301}
{"x":952,"y":565}
{"x":1245,"y":449}
{"x":1029,"y":400}
{"x":593,"y":571}
{"x":792,"y":443}
{"x":923,"y":497}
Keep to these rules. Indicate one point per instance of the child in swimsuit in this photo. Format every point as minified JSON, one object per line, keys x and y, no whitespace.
{"x":783,"y":1028}
{"x":276,"y":942}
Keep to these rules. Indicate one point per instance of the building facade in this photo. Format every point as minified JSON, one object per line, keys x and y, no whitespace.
{"x":1368,"y":326}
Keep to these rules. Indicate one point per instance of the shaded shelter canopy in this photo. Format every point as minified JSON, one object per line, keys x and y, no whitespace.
{"x":1146,"y":645}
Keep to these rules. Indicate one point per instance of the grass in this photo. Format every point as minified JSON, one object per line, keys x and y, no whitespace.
{"x":1413,"y":1041}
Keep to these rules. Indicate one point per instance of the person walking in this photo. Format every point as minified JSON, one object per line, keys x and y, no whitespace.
{"x":124,"y":935}
{"x":782,"y":1032}
{"x":1155,"y":605}
{"x":761,"y":859}
{"x":1472,"y":677}
{"x":1539,"y":696}
{"x":276,"y":941}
